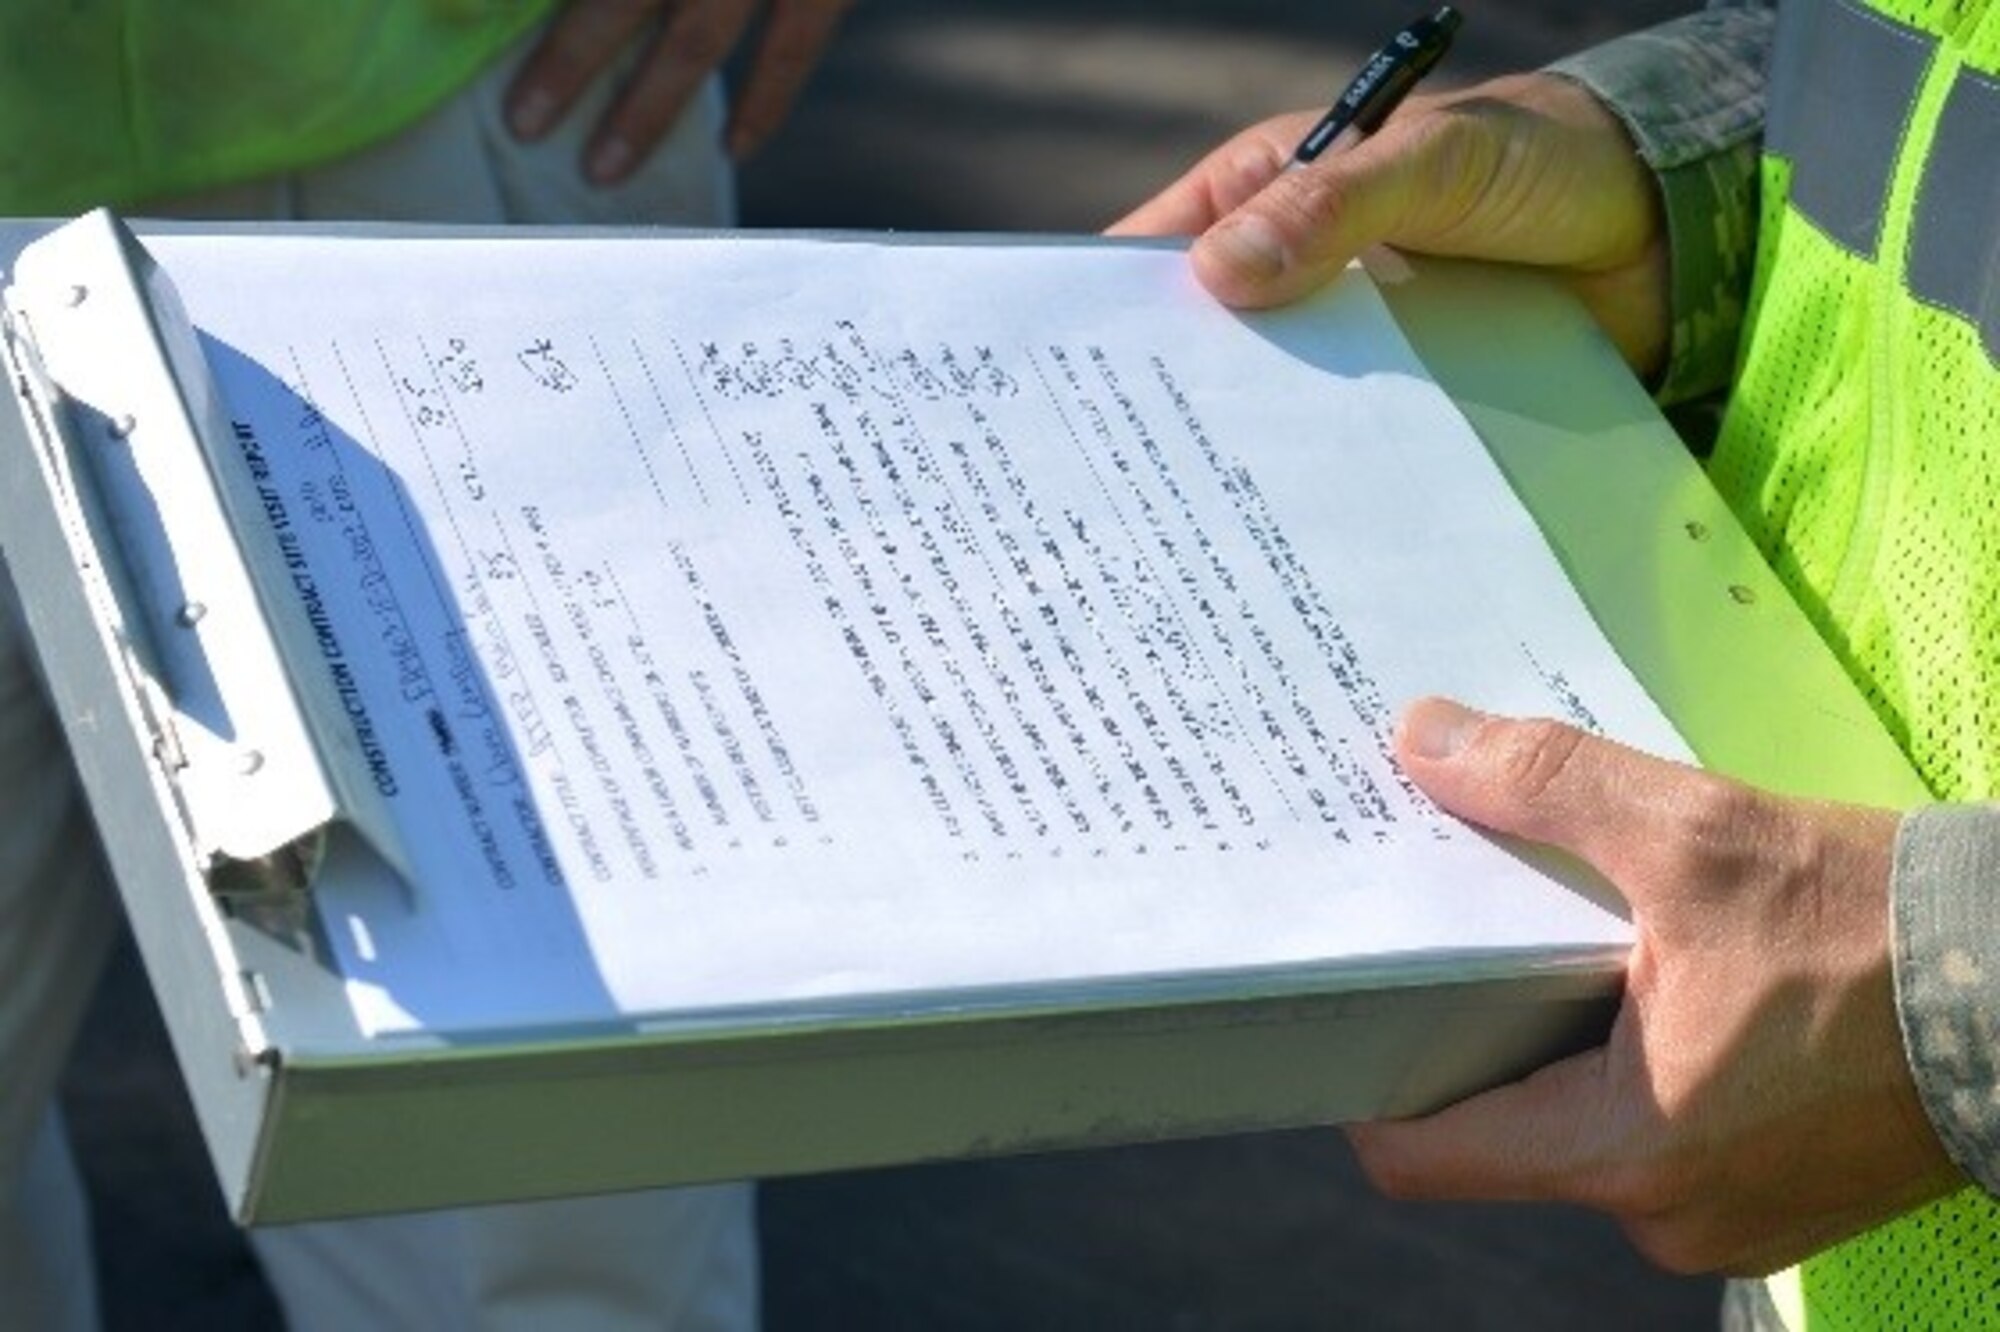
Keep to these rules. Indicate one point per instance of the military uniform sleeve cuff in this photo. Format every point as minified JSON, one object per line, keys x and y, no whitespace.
{"x":1691,"y":94}
{"x":1946,"y":903}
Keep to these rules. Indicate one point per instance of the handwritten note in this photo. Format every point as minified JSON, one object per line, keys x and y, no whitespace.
{"x":735,"y":623}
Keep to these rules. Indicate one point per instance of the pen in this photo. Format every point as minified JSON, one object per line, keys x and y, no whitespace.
{"x":1381,"y":85}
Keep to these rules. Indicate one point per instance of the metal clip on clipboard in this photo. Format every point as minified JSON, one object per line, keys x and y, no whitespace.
{"x":166,"y":519}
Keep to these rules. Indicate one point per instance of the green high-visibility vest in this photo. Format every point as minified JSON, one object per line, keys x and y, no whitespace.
{"x":116,"y":101}
{"x":1862,"y":451}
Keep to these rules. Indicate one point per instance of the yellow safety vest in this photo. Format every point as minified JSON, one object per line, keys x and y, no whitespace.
{"x":1862,"y":450}
{"x":114,"y":101}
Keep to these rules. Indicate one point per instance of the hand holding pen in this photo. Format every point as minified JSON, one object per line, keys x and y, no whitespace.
{"x":1663,"y":1126}
{"x":1528,"y":169}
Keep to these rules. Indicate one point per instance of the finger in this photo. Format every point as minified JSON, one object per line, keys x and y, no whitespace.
{"x":578,"y":47}
{"x":1532,"y":1140}
{"x":796,"y":34}
{"x":1550,"y":783}
{"x":1218,"y":184}
{"x":688,"y":50}
{"x":1307,"y":225}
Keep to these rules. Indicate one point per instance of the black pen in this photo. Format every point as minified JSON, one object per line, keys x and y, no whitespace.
{"x":1381,"y":85}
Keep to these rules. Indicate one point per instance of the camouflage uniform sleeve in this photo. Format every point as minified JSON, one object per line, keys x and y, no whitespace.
{"x":1691,"y":92}
{"x":1947,"y":963}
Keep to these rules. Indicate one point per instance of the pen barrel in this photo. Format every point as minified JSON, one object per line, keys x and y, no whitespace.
{"x":1380,"y":87}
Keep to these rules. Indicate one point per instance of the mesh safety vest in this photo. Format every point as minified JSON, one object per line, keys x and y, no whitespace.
{"x":112,"y":101}
{"x":1862,"y":451}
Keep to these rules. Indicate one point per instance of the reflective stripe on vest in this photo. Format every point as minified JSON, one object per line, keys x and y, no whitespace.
{"x":1955,"y":245}
{"x":1842,"y":80}
{"x":1843,"y":86}
{"x":1862,"y":449}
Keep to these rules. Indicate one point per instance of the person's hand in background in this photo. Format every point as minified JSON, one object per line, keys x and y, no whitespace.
{"x":1529,"y":169}
{"x":683,"y":43}
{"x":1753,"y":1102}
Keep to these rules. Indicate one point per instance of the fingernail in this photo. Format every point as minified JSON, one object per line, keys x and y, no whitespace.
{"x":1249,"y":247}
{"x":1438,"y":728}
{"x":532,"y":115}
{"x":609,"y":159}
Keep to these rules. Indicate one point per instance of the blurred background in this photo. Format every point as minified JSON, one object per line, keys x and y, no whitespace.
{"x":1004,"y":115}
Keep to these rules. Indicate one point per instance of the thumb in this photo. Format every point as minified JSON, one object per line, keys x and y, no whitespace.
{"x":1547,"y":782}
{"x":1308,"y":223}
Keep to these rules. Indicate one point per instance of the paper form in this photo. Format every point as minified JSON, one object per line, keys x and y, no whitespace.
{"x":742,"y":622}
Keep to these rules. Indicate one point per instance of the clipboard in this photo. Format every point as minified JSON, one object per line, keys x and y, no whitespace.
{"x":307,"y":1116}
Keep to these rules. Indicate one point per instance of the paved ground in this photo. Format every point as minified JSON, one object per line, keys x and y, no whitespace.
{"x":1004,"y":115}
